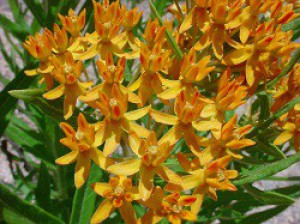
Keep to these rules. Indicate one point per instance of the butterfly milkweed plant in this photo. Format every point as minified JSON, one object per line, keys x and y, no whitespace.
{"x":164,"y":112}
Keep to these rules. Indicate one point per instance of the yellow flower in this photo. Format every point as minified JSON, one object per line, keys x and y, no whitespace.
{"x":67,"y":74}
{"x":187,"y":108}
{"x":119,"y":194}
{"x":72,"y":23}
{"x":151,"y":156}
{"x":216,"y":33}
{"x":291,"y":129}
{"x":111,"y":75}
{"x":288,"y":89}
{"x":205,"y":181}
{"x":40,"y":47}
{"x":259,"y":54}
{"x":226,"y":140}
{"x":106,"y":39}
{"x":231,"y":94}
{"x":116,"y":121}
{"x":129,"y":21}
{"x":153,"y":61}
{"x":154,"y":33}
{"x":172,"y":206}
{"x":83,"y":150}
{"x":191,"y":71}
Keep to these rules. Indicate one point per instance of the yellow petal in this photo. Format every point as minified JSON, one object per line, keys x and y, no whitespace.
{"x":137,"y":114}
{"x":134,"y":142}
{"x":283,"y":137}
{"x":141,"y":131}
{"x":238,"y":144}
{"x":171,"y":136}
{"x":31,"y":72}
{"x":187,"y":22}
{"x":102,"y":212}
{"x":169,"y":93}
{"x":127,"y":213}
{"x":126,"y":168}
{"x":167,"y":174}
{"x":145,"y":183}
{"x":98,"y":158}
{"x":250,"y":69}
{"x":110,"y":145}
{"x":100,"y":188}
{"x":163,"y":118}
{"x":238,"y":56}
{"x":82,"y":169}
{"x":188,"y":215}
{"x":69,"y":158}
{"x":206,"y":125}
{"x":55,"y":93}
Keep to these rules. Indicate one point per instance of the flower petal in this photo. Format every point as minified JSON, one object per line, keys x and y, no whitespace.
{"x":82,"y":169}
{"x":69,"y":158}
{"x":125,"y":168}
{"x":102,"y":212}
{"x":163,"y":118}
{"x":55,"y":93}
{"x":283,"y":137}
{"x":127,"y":213}
{"x":137,"y":114}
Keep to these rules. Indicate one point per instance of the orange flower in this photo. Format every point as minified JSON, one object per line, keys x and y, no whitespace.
{"x":116,"y":121}
{"x":118,"y":193}
{"x":67,"y":74}
{"x":83,"y":150}
{"x":226,"y":140}
{"x":171,"y":206}
{"x":187,"y":109}
{"x":40,"y":47}
{"x":291,"y":129}
{"x":214,"y":176}
{"x":72,"y":23}
{"x":191,"y":71}
{"x":106,"y":39}
{"x":153,"y":61}
{"x":151,"y":156}
{"x":111,"y":75}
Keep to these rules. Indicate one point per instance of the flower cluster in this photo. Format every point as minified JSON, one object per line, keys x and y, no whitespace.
{"x":230,"y":50}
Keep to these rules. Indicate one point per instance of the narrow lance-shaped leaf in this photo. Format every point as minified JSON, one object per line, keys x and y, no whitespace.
{"x":31,"y":212}
{"x":268,"y":170}
{"x":269,"y":198}
{"x":274,"y":117}
{"x":84,"y":199}
{"x":42,"y":192}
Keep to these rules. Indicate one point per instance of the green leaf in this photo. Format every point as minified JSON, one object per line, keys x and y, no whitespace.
{"x":269,"y":148}
{"x":286,"y":70}
{"x":53,"y":108}
{"x":269,"y":198}
{"x":295,"y":24}
{"x":37,"y":11}
{"x":274,"y":117}
{"x":11,"y":217}
{"x":85,"y":198}
{"x":16,"y":9}
{"x":8,"y":103}
{"x":260,"y":217}
{"x":268,"y":170}
{"x":14,"y":28}
{"x":170,"y":37}
{"x":29,"y":140}
{"x":264,"y":106}
{"x":25,"y":209}
{"x":42,"y":192}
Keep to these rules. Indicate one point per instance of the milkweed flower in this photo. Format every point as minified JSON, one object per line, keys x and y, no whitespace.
{"x":116,"y":120}
{"x":151,"y":156}
{"x":83,"y":149}
{"x":172,"y":206}
{"x":67,"y":74}
{"x":118,"y":194}
{"x":187,"y":119}
{"x":205,"y":181}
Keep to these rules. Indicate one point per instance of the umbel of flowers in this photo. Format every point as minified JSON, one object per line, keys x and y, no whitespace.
{"x":229,"y":48}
